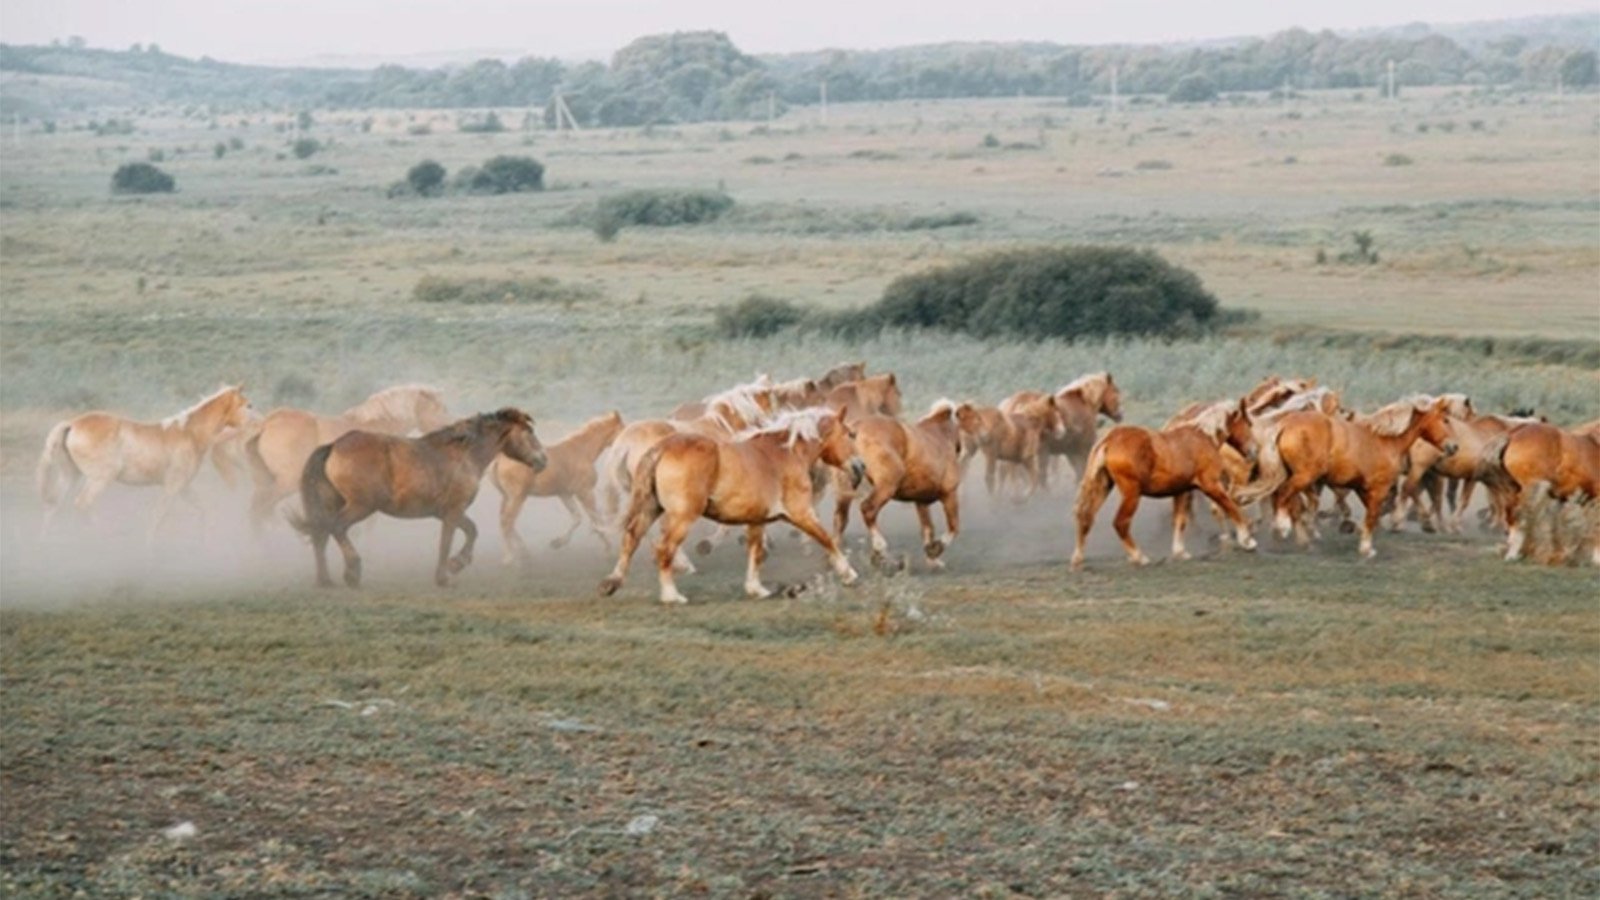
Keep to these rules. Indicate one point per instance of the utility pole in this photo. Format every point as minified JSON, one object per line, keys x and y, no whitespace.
{"x":1113,"y":87}
{"x":824,"y":102}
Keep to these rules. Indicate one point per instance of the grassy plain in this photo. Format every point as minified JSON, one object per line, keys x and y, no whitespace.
{"x":1273,"y":724}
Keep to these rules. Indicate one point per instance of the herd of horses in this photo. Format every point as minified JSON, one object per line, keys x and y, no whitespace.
{"x":767,"y":451}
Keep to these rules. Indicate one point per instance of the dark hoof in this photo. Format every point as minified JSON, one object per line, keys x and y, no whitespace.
{"x":609,"y":585}
{"x":934,"y":549}
{"x":442,"y":580}
{"x":456,"y":564}
{"x":557,"y":543}
{"x":326,"y":583}
{"x":791,"y":591}
{"x":1347,"y":527}
{"x":703,"y":547}
{"x":1427,"y":527}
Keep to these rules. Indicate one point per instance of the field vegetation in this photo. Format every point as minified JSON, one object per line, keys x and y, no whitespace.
{"x":1267,"y":724}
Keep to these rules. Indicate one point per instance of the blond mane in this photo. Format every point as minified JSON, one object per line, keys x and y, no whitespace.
{"x":794,"y":425}
{"x":1394,"y":419}
{"x":181,"y":419}
{"x":742,"y":400}
{"x":1091,"y":387}
{"x":1213,"y":420}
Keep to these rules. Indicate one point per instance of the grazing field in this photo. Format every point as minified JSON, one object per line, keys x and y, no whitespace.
{"x":1282,"y":722}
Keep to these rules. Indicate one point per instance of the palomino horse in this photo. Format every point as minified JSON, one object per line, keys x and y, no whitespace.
{"x":283,"y":441}
{"x":1569,"y":462}
{"x":875,"y":396}
{"x":759,"y":478}
{"x":1312,"y":447}
{"x":918,"y":464}
{"x":98,"y":448}
{"x":434,"y":476}
{"x":1428,"y":470}
{"x":1011,"y":437}
{"x":569,"y":474}
{"x":1172,"y":462}
{"x":1082,"y":402}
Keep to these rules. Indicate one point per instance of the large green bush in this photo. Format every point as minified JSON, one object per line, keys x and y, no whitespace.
{"x":507,"y":175}
{"x":1060,"y":292}
{"x":426,"y":178}
{"x":141,"y":178}
{"x":758,"y":316}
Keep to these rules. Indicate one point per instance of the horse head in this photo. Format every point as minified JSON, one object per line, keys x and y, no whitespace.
{"x":838,"y":445}
{"x":1240,"y":432}
{"x":1433,"y":423}
{"x":1111,"y":400}
{"x":516,"y":438}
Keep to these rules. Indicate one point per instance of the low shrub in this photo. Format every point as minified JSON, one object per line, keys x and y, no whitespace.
{"x":426,"y":178}
{"x":306,"y":147}
{"x":507,"y":175}
{"x":1398,"y":159}
{"x":657,"y":208}
{"x":141,"y":178}
{"x":758,"y":316}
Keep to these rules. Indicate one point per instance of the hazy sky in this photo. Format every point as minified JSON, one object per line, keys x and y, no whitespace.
{"x":255,"y":30}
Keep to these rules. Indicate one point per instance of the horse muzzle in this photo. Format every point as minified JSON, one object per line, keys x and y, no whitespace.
{"x":857,"y":470}
{"x":1449,"y":448}
{"x":538,"y":460}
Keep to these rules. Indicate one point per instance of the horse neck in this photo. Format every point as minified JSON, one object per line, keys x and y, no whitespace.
{"x":1396,"y":444}
{"x":204,"y":424}
{"x":482,"y":450}
{"x":589,"y":441}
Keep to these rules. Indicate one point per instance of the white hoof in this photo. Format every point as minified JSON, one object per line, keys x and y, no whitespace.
{"x":756,"y":592}
{"x":673,"y":597}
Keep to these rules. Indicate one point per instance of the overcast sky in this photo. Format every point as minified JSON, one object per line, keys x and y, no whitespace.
{"x":281,"y":30}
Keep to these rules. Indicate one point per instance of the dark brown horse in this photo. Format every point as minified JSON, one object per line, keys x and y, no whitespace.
{"x":435,"y":476}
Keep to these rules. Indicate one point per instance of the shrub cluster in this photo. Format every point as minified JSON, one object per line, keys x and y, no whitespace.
{"x":758,"y":316}
{"x":141,"y":178}
{"x":500,"y":175}
{"x":657,"y":208}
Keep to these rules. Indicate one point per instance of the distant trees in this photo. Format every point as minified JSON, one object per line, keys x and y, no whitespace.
{"x":1193,"y":88}
{"x":507,"y":175}
{"x":141,"y":178}
{"x":426,"y":178}
{"x":1580,"y":69}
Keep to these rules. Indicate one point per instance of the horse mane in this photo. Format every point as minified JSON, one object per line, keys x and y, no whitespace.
{"x":1091,"y":387}
{"x":794,"y":425}
{"x":593,"y":426}
{"x":398,"y":403}
{"x":181,"y":419}
{"x":1457,"y":405}
{"x":1394,"y":419}
{"x":1213,"y":420}
{"x":741,"y":399}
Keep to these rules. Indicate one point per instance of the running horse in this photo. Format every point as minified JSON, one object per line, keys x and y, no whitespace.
{"x":568,"y":475}
{"x":918,"y":463}
{"x":1012,"y":437}
{"x":94,"y":450}
{"x":761,"y":477}
{"x":282,"y":442}
{"x":1311,"y":447}
{"x":1173,"y":462}
{"x":1081,"y":403}
{"x":1568,"y":461}
{"x":433,"y":476}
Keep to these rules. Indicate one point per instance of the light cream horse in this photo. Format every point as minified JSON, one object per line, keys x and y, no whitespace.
{"x":94,"y":450}
{"x":569,"y":474}
{"x":280,"y":445}
{"x":1081,"y":403}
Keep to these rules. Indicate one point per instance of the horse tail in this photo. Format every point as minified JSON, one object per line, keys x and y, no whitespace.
{"x":319,"y":499}
{"x":1491,"y":468}
{"x":643,"y":501}
{"x":1271,"y":472}
{"x":54,"y":463}
{"x":257,"y":464}
{"x":1094,"y":484}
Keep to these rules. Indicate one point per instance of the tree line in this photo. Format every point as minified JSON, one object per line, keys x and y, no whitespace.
{"x":702,"y":76}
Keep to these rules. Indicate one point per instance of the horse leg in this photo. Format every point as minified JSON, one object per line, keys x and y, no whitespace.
{"x":952,"y":521}
{"x":1372,"y":498}
{"x":632,"y":533}
{"x":673,"y":532}
{"x":464,"y":558}
{"x":1181,"y":506}
{"x":162,"y":513}
{"x":319,"y":549}
{"x":883,"y":488}
{"x":352,"y":559}
{"x":1463,"y":499}
{"x":804,"y":518}
{"x":756,"y":549}
{"x":447,"y":536}
{"x":925,"y":520}
{"x":1223,"y":501}
{"x":990,"y":467}
{"x":1123,"y":523}
{"x":515,"y":550}
{"x":586,"y":500}
{"x":577,"y":520}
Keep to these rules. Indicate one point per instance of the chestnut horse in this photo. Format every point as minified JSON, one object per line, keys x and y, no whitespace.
{"x":840,"y":374}
{"x":1311,"y":447}
{"x":875,"y":396}
{"x":1082,"y":402}
{"x":93,"y":450}
{"x":1013,"y":436}
{"x":569,"y":474}
{"x":1173,"y":462}
{"x":761,"y":477}
{"x":433,"y":476}
{"x":919,"y":464}
{"x":1569,"y":462}
{"x":283,"y":441}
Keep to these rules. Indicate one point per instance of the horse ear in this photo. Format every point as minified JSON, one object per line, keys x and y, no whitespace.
{"x":892,"y":382}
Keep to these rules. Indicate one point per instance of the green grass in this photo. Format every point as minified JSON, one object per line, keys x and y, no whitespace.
{"x":1334,"y":727}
